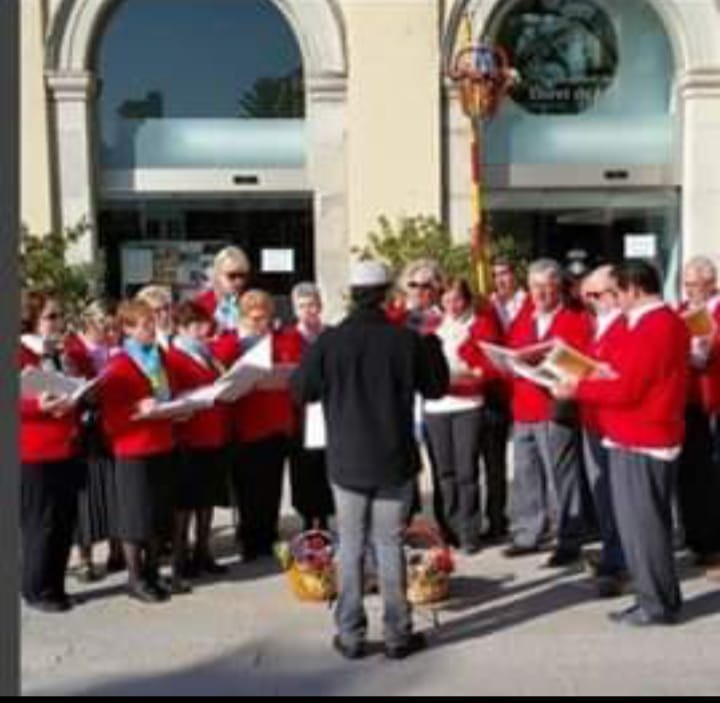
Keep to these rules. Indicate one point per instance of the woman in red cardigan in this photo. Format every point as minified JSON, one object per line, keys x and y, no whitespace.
{"x":203,"y":441}
{"x":262,"y":424}
{"x":51,"y":468}
{"x":311,"y":493}
{"x":136,"y":380}
{"x":87,"y":354}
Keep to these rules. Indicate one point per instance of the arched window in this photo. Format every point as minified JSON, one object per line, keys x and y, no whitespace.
{"x":211,"y":84}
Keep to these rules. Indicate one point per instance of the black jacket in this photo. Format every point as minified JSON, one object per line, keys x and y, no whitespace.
{"x":367,"y":373}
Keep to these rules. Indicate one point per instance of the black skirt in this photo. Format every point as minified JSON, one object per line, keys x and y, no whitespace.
{"x":146,"y":497}
{"x":96,"y":502}
{"x":311,"y":493}
{"x":204,"y":476}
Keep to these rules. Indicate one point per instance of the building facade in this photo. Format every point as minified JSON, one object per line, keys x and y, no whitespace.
{"x":289,"y":126}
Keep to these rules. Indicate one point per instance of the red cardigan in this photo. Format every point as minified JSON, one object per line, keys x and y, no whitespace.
{"x":124,"y":385}
{"x":78,"y":357}
{"x":531,"y":403}
{"x":44,"y":438}
{"x":206,"y":430}
{"x":646,"y":404}
{"x":605,"y":349}
{"x":704,"y":390}
{"x":486,"y":328}
{"x":261,"y":414}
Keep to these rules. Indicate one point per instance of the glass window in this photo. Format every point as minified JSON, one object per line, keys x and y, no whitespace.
{"x":217,"y":83}
{"x":596,"y":84}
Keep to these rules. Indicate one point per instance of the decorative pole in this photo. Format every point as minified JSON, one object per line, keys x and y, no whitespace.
{"x":484,"y":76}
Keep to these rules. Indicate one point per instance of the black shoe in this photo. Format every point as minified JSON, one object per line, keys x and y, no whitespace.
{"x":209,"y":567}
{"x":51,"y":606}
{"x":417,"y":643}
{"x":496,"y":534}
{"x":612,"y":586}
{"x":177,"y":586}
{"x":561,"y":559}
{"x":515,"y":551}
{"x":144,"y":593}
{"x":350,"y":653}
{"x":636,"y":617}
{"x":470,"y":549}
{"x":87,"y":574}
{"x":115,"y":565}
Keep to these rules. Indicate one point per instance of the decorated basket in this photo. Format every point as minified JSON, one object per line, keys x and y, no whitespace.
{"x":430,"y":564}
{"x":309,"y":562}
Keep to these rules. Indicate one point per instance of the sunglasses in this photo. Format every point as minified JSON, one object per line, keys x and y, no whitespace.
{"x":236,"y":275}
{"x":413,"y":285}
{"x":52,"y":316}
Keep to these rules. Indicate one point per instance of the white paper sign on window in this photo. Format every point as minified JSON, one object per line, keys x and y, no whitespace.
{"x":277,"y":261}
{"x":641,"y":246}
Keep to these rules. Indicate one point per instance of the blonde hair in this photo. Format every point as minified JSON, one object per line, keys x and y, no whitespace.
{"x":155,"y":296}
{"x":254,"y":299}
{"x":233,"y":256}
{"x":415,"y":267}
{"x":132,"y":312}
{"x":96,"y":313}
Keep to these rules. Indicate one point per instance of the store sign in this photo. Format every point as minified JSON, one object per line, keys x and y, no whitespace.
{"x":566,"y":52}
{"x":641,"y":246}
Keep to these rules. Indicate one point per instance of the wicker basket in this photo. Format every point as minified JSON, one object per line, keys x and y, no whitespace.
{"x":311,"y":570}
{"x":426,"y":584}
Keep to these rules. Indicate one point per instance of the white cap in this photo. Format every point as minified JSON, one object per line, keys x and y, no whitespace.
{"x":369,"y":274}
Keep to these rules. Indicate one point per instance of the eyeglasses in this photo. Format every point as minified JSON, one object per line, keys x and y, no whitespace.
{"x":597,"y":295}
{"x":52,"y":317}
{"x":415,"y":285}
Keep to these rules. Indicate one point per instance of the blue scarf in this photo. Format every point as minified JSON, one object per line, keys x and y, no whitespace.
{"x":148,"y":358}
{"x":197,"y":350}
{"x":227,"y":313}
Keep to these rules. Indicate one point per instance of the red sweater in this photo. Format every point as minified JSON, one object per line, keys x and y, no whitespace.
{"x":44,"y":438}
{"x":261,"y":414}
{"x":485,"y":329}
{"x":605,"y":349}
{"x":704,"y":389}
{"x":124,"y":385}
{"x":646,"y":404}
{"x":78,"y":357}
{"x":209,"y":429}
{"x":531,"y":403}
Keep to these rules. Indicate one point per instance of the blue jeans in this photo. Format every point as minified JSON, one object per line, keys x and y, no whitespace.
{"x":378,"y":517}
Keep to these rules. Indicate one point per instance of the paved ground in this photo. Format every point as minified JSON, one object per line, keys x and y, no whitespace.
{"x":511,"y":628}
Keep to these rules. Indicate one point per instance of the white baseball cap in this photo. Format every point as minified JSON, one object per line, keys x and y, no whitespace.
{"x":369,"y":274}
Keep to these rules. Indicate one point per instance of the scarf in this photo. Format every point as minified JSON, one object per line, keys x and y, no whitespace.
{"x":148,"y":358}
{"x":198,"y":351}
{"x":227,"y":313}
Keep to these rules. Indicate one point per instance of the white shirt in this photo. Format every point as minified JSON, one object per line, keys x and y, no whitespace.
{"x":452,"y":334}
{"x":544,"y":322}
{"x":669,"y":454}
{"x":509,"y":310}
{"x":605,"y":322}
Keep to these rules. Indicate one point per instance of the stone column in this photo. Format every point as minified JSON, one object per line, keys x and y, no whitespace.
{"x":72,"y":95}
{"x":327,"y":108}
{"x":700,"y":104}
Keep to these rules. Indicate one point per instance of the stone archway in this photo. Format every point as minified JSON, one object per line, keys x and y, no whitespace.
{"x":318,"y":26}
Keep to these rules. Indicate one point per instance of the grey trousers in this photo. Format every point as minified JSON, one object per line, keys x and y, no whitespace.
{"x":547,"y":479}
{"x":377,"y":517}
{"x":597,"y":468}
{"x":643,"y":490}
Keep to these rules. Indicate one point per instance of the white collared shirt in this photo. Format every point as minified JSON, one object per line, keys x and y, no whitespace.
{"x":509,"y":310}
{"x":605,"y":322}
{"x":544,"y":322}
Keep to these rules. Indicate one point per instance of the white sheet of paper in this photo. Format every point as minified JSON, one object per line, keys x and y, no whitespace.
{"x":277,"y":261}
{"x":315,"y":427}
{"x":247,"y":372}
{"x":36,"y":382}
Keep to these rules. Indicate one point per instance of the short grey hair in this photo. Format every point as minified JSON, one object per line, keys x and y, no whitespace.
{"x":703,"y":266}
{"x":544,"y":267}
{"x":305,"y":290}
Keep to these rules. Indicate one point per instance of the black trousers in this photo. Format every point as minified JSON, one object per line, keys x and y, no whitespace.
{"x":312,"y":496}
{"x":643,"y":490}
{"x":258,"y":478}
{"x":496,"y":437}
{"x":49,"y":504}
{"x":699,"y":486}
{"x":455,"y":445}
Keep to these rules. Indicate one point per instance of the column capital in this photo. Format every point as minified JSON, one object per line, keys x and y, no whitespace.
{"x":71,"y":86}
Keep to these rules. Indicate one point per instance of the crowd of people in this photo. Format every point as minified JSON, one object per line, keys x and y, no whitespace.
{"x":627,"y":455}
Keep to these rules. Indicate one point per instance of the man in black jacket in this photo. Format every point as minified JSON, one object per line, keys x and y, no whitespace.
{"x":367,"y":374}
